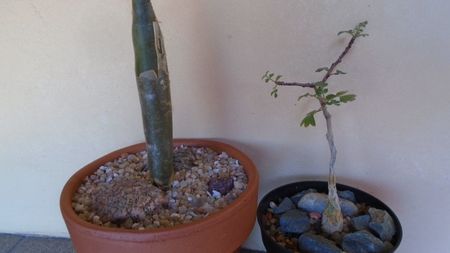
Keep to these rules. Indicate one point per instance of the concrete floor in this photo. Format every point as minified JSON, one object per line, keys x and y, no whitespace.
{"x":33,"y":244}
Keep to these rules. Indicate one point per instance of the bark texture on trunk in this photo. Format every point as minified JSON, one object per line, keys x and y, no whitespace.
{"x":332,"y":220}
{"x":154,"y":91}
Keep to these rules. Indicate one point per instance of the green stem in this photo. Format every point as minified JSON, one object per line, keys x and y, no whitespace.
{"x":154,"y":91}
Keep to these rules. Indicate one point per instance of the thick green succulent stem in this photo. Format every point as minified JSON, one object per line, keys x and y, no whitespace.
{"x":154,"y":91}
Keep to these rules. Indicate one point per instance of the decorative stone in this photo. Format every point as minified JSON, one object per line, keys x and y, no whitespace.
{"x":284,"y":206}
{"x":222,"y":185}
{"x":294,"y":221}
{"x":348,"y":195}
{"x":296,"y":197}
{"x":348,"y":208}
{"x":382,"y":224}
{"x":317,"y":202}
{"x":310,"y":243}
{"x":362,"y":242}
{"x":313,"y":202}
{"x":361,"y":222}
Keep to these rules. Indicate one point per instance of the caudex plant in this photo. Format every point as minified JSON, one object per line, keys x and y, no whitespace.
{"x":332,"y":219}
{"x":154,"y":92}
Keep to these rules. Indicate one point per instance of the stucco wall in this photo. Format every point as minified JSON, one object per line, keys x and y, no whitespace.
{"x":68,"y":95}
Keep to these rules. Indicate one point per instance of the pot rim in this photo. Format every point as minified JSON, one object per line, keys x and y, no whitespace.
{"x":157,"y":234}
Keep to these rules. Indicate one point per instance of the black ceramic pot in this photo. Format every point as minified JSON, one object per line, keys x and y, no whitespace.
{"x":321,"y":186}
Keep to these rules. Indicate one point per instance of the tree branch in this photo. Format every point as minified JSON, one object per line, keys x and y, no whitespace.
{"x":339,"y":60}
{"x":329,"y":72}
{"x":304,"y":85}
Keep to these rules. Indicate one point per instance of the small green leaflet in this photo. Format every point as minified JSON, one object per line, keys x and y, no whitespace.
{"x":322,"y":69}
{"x":304,"y":95}
{"x":340,"y":93}
{"x":338,"y":72}
{"x":347,"y":98}
{"x":342,"y":32}
{"x":309,"y":120}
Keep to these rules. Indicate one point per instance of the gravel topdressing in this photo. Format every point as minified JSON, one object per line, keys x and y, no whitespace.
{"x":120,"y":193}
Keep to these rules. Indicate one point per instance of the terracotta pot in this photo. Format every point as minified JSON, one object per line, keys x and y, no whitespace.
{"x":290,"y":189}
{"x":223,"y":231}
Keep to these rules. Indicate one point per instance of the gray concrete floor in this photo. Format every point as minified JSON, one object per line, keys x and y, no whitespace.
{"x":34,"y":244}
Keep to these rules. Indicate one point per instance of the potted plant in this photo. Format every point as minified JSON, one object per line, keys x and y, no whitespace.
{"x":147,"y":197}
{"x":300,"y":216}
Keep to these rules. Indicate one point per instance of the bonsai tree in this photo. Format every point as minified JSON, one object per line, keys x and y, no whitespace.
{"x":154,"y":91}
{"x":332,"y":220}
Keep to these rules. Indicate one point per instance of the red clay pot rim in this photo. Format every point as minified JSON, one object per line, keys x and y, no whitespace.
{"x":160,"y":233}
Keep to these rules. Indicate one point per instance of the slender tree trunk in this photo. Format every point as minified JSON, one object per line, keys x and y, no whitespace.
{"x":154,"y":91}
{"x":332,"y":220}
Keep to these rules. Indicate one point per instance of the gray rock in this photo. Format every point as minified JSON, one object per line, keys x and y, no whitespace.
{"x":382,"y":224}
{"x":362,"y":242}
{"x":313,"y":202}
{"x":348,"y":208}
{"x":310,"y":243}
{"x":294,"y":221}
{"x":348,"y":195}
{"x":284,"y":206}
{"x":295,"y":198}
{"x":361,"y":222}
{"x":316,"y":202}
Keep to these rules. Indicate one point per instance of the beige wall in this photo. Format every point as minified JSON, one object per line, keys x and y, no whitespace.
{"x":68,"y":96}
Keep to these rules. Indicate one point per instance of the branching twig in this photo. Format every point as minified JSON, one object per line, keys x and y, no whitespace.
{"x":304,"y":85}
{"x":328,"y":74}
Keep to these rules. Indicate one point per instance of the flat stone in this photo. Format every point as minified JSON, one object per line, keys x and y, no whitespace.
{"x":296,"y":197}
{"x":348,"y":208}
{"x":317,"y":202}
{"x":294,"y":221}
{"x":361,"y":222}
{"x":310,"y":243}
{"x":362,"y":242}
{"x":284,"y":206}
{"x":348,"y":195}
{"x":222,"y":185}
{"x":382,"y":224}
{"x":313,"y":202}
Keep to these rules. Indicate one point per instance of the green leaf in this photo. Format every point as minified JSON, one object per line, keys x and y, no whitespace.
{"x":278,"y":78}
{"x":265,"y":75}
{"x":342,"y":32}
{"x":304,"y":95}
{"x":322,"y":69}
{"x":330,"y":96}
{"x":347,"y":98}
{"x":335,"y":102}
{"x":274,"y":92}
{"x":321,"y":84}
{"x":338,"y":72}
{"x":340,"y":93}
{"x":309,"y":120}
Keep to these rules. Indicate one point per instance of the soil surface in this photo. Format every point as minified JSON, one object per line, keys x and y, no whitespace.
{"x":120,"y":193}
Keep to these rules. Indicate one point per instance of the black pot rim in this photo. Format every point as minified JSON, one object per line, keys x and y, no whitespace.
{"x":295,"y":187}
